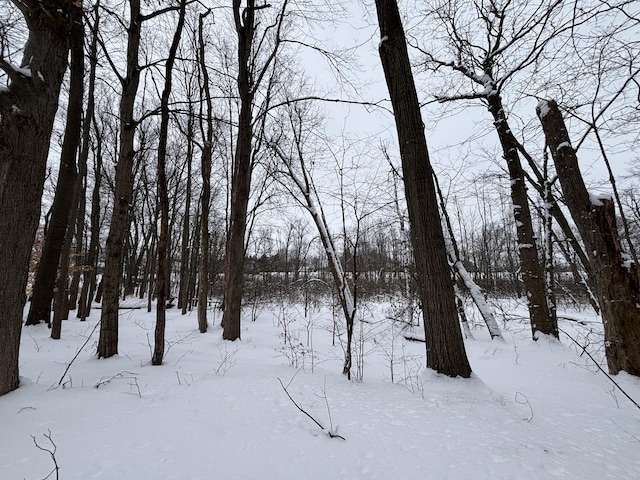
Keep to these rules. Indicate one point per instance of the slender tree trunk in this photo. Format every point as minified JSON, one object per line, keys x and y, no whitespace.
{"x":91,"y":266}
{"x":203,"y":271}
{"x":445,"y":346}
{"x":27,"y":111}
{"x":163,"y":197}
{"x":616,"y":280}
{"x":123,"y":192}
{"x":543,"y":319}
{"x":183,"y":301}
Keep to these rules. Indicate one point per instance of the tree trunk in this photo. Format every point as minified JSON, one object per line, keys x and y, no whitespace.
{"x":91,"y":264}
{"x":445,"y":346}
{"x":616,"y":280}
{"x":43,"y":288}
{"x":543,"y":318}
{"x":241,"y":176}
{"x":88,"y":261}
{"x":203,"y":271}
{"x":163,"y":197}
{"x":27,"y":111}
{"x":123,"y":192}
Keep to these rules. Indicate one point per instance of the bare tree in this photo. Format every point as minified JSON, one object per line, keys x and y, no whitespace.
{"x":616,"y":280}
{"x":162,"y":277}
{"x":445,"y":346}
{"x":27,"y":111}
{"x":251,"y":75}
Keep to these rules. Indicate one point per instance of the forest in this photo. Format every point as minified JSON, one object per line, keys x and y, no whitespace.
{"x":446,"y":176}
{"x":180,"y":164}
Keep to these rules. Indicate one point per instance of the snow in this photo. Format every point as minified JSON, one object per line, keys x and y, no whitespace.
{"x":382,"y":40}
{"x":543,"y":108}
{"x":597,"y":198}
{"x":563,"y":145}
{"x":215,"y":409}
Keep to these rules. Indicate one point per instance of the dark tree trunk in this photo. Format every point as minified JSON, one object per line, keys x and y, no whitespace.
{"x":43,"y":288}
{"x":543,"y":318}
{"x":123,"y":192}
{"x":203,"y":271}
{"x":91,"y":266}
{"x":616,"y":282}
{"x":89,"y":259}
{"x":241,"y":176}
{"x":27,"y":112}
{"x":445,"y":346}
{"x":183,"y":293}
{"x":164,"y":273}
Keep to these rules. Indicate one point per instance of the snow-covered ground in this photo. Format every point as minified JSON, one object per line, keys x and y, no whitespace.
{"x":533,"y":410}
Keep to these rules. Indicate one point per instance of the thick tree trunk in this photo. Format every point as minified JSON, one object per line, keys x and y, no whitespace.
{"x":616,"y":280}
{"x":241,"y":176}
{"x":27,"y":111}
{"x":445,"y":346}
{"x":543,"y":318}
{"x":43,"y":288}
{"x":123,"y":192}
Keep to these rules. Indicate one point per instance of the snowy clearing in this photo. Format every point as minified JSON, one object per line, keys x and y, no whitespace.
{"x":215,"y":409}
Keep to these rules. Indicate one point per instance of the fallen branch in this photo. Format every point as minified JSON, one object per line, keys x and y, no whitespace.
{"x":584,"y":350}
{"x":78,"y":353}
{"x":328,"y":432}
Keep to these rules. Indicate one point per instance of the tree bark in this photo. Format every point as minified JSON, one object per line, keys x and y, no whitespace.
{"x":445,"y":346}
{"x":45,"y":282}
{"x":543,"y":319}
{"x":164,"y":273}
{"x":203,"y":270}
{"x":241,"y":175}
{"x":123,"y":192}
{"x":27,"y":111}
{"x":616,"y":280}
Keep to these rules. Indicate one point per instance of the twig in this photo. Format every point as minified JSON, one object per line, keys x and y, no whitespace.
{"x":584,"y":349}
{"x":524,"y":402}
{"x":56,"y":468}
{"x":102,"y":382}
{"x":78,"y":353}
{"x":328,"y":432}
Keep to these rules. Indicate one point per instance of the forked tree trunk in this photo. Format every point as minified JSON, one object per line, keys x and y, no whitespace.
{"x":43,"y":288}
{"x":27,"y":111}
{"x":616,"y":280}
{"x":445,"y":346}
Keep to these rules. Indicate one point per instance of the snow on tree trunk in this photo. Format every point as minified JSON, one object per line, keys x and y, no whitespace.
{"x":616,"y":280}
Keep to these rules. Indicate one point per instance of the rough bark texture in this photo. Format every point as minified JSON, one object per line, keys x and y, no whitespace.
{"x":43,"y":288}
{"x":241,"y":176}
{"x":27,"y":112}
{"x":70,"y":190}
{"x":543,"y":319}
{"x":445,"y":346}
{"x":123,"y":191}
{"x":616,"y":281}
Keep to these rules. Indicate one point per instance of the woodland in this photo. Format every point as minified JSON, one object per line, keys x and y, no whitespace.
{"x":214,"y":162}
